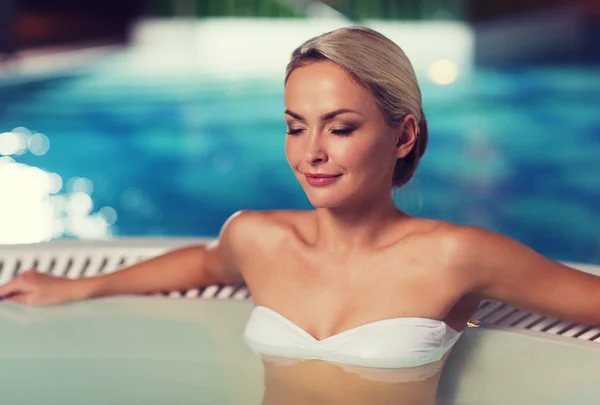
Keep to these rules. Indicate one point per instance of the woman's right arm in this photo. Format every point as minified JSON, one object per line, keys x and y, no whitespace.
{"x":182,"y":269}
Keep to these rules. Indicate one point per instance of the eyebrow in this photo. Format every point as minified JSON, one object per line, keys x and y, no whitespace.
{"x":325,"y":117}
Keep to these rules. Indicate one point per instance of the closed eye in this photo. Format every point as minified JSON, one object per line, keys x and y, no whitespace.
{"x":292,"y":131}
{"x":343,"y":131}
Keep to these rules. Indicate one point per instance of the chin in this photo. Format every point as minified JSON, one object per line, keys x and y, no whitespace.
{"x":326,"y":198}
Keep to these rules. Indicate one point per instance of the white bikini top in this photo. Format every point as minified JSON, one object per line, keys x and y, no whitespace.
{"x":390,"y":343}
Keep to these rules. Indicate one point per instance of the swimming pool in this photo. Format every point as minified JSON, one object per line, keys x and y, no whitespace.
{"x":512,"y":150}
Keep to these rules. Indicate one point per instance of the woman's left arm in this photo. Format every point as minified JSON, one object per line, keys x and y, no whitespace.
{"x":501,"y":268}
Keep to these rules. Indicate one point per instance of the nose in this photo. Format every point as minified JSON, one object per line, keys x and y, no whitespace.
{"x":315,"y":151}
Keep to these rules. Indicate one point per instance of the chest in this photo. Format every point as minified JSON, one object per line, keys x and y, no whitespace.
{"x":326,"y":295}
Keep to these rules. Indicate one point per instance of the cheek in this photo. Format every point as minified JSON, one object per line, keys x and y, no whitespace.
{"x":358,"y":154}
{"x":291,"y":151}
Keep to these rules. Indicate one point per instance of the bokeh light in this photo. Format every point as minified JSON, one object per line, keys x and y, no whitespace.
{"x":38,"y":144}
{"x":79,"y":204}
{"x":56,"y":183}
{"x":80,"y":185}
{"x":443,"y":72}
{"x":32,"y":207}
{"x":109,"y":214}
{"x":13,"y":143}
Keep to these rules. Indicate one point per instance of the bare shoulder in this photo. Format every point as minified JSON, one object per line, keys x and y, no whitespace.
{"x":450,"y":250}
{"x":248,"y":230}
{"x":440,"y":239}
{"x":464,"y":245}
{"x":458,"y":245}
{"x":250,"y":222}
{"x":497,"y":266}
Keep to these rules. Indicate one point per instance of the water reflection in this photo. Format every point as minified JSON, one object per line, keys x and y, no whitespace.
{"x":316,"y":382}
{"x":32,"y":207}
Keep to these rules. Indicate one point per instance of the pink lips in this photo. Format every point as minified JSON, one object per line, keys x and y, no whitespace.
{"x":318,"y":179}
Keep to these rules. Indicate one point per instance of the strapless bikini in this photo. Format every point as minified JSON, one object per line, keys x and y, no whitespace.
{"x":391,"y":343}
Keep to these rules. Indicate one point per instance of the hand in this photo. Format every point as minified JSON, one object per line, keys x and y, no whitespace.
{"x":37,"y":289}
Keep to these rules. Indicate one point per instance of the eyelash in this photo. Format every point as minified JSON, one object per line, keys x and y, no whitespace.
{"x":339,"y":132}
{"x":344,"y":131}
{"x":293,"y":131}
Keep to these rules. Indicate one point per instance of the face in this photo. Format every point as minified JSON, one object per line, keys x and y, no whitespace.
{"x":338,"y":144}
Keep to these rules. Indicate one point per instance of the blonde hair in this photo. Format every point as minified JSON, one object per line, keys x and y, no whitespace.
{"x":380,"y":66}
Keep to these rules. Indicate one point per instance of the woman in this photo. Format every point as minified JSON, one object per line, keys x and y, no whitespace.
{"x":356,"y":282}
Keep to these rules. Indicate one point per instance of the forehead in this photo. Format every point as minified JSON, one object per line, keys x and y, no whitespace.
{"x":325,"y":86}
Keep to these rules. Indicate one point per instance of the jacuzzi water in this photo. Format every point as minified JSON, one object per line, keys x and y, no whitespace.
{"x":153,"y":351}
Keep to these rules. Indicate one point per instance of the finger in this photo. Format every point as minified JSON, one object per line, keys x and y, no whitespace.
{"x":26,"y":273}
{"x":9,"y":288}
{"x":19,"y":298}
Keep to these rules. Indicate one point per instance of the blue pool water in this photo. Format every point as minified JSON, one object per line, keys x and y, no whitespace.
{"x":516,"y":151}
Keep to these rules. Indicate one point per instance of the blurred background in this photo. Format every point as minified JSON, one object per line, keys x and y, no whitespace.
{"x":162,"y":118}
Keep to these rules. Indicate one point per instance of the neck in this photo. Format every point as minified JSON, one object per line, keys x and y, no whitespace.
{"x":356,"y":227}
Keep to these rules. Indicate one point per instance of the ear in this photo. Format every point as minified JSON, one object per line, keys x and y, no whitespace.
{"x":407,"y":136}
